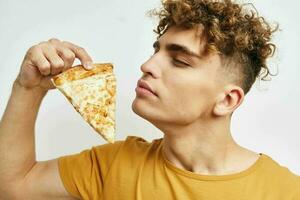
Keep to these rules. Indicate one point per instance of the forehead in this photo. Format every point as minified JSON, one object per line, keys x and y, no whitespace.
{"x":191,"y":38}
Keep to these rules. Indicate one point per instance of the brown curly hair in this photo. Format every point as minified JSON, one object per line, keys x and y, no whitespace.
{"x":238,"y":34}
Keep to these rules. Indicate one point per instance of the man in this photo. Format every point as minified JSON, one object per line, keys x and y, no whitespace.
{"x":206,"y":58}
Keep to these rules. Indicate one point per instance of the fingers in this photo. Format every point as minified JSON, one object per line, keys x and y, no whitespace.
{"x":56,"y":62}
{"x":38,"y":59}
{"x":67,"y":56}
{"x":53,"y":57}
{"x":81,"y":54}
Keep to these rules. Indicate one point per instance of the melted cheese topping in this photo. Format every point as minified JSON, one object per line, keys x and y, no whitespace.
{"x":94,"y":98}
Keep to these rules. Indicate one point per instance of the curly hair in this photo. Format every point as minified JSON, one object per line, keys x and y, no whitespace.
{"x":238,"y":34}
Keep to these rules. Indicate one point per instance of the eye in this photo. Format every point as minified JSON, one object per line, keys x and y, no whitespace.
{"x":179,"y":63}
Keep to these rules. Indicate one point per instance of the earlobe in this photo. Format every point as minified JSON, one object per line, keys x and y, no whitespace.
{"x":228,"y":101}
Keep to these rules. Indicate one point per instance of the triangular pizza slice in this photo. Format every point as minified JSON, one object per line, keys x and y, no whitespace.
{"x":93,"y":94}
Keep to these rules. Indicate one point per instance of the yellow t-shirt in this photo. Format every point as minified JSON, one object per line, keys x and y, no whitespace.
{"x":136,"y":169}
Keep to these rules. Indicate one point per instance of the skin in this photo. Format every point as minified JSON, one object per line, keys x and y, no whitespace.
{"x":29,"y":178}
{"x":193,"y":105}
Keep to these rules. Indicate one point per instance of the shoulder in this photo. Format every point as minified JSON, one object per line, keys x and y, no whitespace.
{"x":135,"y":143}
{"x":281,"y":176}
{"x":136,"y":149}
{"x":130,"y":144}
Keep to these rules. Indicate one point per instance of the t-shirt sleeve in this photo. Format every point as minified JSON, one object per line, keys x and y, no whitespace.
{"x":83,"y":173}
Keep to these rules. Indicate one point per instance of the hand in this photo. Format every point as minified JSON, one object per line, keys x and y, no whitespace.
{"x":47,"y":59}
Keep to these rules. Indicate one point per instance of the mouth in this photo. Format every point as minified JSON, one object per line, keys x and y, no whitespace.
{"x":144,"y":88}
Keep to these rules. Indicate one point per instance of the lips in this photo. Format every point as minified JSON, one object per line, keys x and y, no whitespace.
{"x":143,"y":84}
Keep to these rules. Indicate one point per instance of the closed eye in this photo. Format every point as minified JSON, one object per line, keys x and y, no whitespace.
{"x":179,"y":63}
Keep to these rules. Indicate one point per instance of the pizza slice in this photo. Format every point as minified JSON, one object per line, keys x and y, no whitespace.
{"x":93,"y":94}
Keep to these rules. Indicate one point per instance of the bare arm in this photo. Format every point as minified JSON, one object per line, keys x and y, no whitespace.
{"x":21,"y":176}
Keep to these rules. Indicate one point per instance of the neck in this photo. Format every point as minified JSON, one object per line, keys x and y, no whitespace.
{"x":206,"y":149}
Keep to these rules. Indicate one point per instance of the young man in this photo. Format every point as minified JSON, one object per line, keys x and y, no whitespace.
{"x":207,"y":56}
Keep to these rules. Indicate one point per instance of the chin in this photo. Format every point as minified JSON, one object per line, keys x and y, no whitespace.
{"x":138,"y":108}
{"x":144,"y":110}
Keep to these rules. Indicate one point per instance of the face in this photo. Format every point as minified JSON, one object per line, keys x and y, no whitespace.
{"x":184,"y":84}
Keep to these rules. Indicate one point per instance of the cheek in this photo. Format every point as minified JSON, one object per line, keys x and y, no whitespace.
{"x":175,"y":98}
{"x":189,"y":99}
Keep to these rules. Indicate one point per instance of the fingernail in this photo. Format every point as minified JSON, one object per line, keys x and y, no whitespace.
{"x":89,"y":65}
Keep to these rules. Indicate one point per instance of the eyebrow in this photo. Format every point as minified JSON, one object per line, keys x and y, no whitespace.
{"x":177,"y":48}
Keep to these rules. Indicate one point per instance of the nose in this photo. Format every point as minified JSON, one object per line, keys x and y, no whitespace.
{"x":151,"y":67}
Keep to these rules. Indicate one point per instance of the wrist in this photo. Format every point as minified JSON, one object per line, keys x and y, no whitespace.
{"x":35,"y":91}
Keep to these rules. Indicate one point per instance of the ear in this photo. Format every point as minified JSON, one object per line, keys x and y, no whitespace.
{"x":228,"y":100}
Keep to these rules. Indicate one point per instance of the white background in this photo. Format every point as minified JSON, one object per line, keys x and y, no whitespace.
{"x":118,"y":31}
